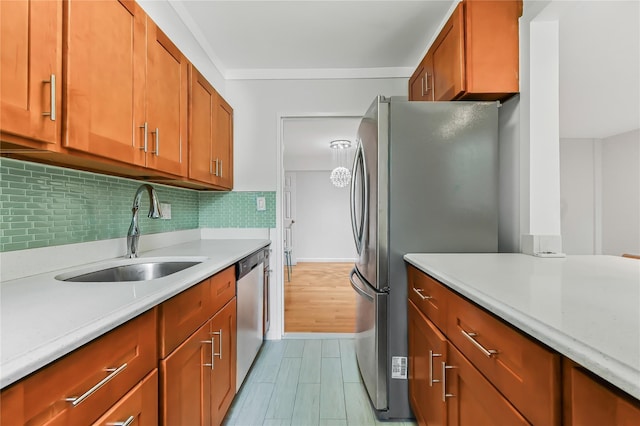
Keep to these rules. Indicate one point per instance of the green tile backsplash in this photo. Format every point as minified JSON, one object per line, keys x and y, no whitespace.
{"x":43,"y":205}
{"x":236,"y":210}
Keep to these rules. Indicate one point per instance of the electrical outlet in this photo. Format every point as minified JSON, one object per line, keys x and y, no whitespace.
{"x":261,"y":204}
{"x":165,"y":208}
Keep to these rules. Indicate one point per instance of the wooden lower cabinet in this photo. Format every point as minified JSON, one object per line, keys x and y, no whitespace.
{"x":471,"y":398}
{"x":197,"y":380}
{"x":223,"y":370}
{"x":467,"y":367}
{"x":186,"y":381}
{"x":66,"y":392}
{"x":427,"y":350}
{"x":588,"y":401}
{"x":138,"y":407}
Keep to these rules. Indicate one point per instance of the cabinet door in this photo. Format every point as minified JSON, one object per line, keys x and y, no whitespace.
{"x":105,"y":63}
{"x":591,"y":402}
{"x":416,"y":84}
{"x":449,"y":59}
{"x":223,"y":143}
{"x":139,"y":406}
{"x":202,"y":99}
{"x":471,"y":399}
{"x":427,"y":350}
{"x":166,"y":104}
{"x":223,"y":371}
{"x":185,"y":382}
{"x":30,"y":54}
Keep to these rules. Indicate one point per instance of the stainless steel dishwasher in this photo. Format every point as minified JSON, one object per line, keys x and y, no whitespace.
{"x":250,"y":333}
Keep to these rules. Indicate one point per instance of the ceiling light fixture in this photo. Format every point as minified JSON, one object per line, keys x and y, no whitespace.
{"x":340,"y":175}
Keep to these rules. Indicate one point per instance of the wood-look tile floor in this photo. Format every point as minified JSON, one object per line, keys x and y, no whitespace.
{"x":319,"y":299}
{"x":304,"y":383}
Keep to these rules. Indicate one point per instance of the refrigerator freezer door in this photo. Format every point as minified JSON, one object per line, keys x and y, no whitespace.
{"x":370,"y":195}
{"x":371,"y":339}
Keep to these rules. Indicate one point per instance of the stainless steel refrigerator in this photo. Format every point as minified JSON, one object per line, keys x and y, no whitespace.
{"x":424,"y":179}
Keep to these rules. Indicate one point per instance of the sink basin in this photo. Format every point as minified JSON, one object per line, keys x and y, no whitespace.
{"x":142,"y":271}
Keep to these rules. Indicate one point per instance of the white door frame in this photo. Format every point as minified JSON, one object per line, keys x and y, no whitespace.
{"x":280,"y":117}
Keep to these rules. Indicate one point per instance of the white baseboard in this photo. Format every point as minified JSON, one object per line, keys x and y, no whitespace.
{"x":311,"y":336}
{"x":326,"y":259}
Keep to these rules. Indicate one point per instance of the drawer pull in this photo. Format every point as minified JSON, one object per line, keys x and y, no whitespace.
{"x":113,"y":372}
{"x":419,"y":293}
{"x":445,"y":395}
{"x":217,"y":333}
{"x":470,"y":336}
{"x":431,"y":379}
{"x":127,"y":422}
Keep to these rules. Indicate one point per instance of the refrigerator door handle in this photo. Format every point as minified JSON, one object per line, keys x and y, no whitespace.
{"x":357,"y":228}
{"x":356,"y":287}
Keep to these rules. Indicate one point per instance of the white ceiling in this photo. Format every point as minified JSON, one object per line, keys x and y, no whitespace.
{"x":599,"y":52}
{"x":250,"y":38}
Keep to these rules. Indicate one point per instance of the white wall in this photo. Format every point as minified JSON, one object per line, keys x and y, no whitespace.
{"x":323,"y":225}
{"x":621,"y":194}
{"x":258,"y":104}
{"x":600,"y":189}
{"x":578,"y":195}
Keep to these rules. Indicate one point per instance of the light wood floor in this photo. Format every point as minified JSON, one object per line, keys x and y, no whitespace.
{"x":319,"y":298}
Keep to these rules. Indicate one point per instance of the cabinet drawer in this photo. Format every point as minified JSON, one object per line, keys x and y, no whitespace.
{"x":523,"y":370}
{"x":428,"y":295}
{"x":182,"y":315}
{"x":139,"y":406}
{"x":118,"y":360}
{"x":223,"y":288}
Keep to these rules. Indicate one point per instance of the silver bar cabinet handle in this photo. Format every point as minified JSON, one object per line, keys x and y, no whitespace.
{"x":220,"y":168}
{"x":419,"y":291}
{"x":431,"y":379}
{"x":212,"y":343}
{"x":52,"y":112}
{"x":445,"y":395}
{"x":157,"y":137}
{"x":127,"y":422}
{"x":217,"y":173}
{"x":426,"y":83}
{"x":422,"y":84}
{"x":218,"y":333}
{"x":470,"y":336}
{"x":113,"y":372}
{"x":145,"y":138}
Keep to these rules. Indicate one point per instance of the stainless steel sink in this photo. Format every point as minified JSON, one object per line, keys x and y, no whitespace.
{"x":142,"y":271}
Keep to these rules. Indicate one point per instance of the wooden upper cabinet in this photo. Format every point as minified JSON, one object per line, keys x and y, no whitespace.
{"x":421,"y":82}
{"x":476,"y":54}
{"x":166,"y":104}
{"x":30,"y":55}
{"x":202,"y":99}
{"x":126,"y":87}
{"x":223,"y":142}
{"x":448,"y":58}
{"x":105,"y":73}
{"x":210,"y":134}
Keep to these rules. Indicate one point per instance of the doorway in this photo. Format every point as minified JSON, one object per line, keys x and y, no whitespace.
{"x":317,"y":238}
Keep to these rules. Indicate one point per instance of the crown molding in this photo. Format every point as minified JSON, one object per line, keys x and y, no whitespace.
{"x":197,"y":33}
{"x":317,"y":73}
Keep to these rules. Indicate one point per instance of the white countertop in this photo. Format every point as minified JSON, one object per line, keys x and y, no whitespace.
{"x":585,"y":307}
{"x":42,"y":319}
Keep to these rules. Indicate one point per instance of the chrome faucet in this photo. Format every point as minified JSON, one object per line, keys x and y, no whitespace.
{"x":133,"y":235}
